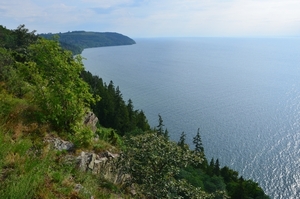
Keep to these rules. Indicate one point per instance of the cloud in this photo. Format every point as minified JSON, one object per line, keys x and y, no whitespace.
{"x":108,"y":3}
{"x":145,"y":18}
{"x":102,"y":10}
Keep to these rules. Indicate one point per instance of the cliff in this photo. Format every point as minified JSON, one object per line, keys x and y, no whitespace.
{"x":53,"y":146}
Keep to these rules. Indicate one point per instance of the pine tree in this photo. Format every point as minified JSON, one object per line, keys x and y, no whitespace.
{"x":181,"y":141}
{"x":166,"y":134}
{"x":217,"y":168}
{"x":198,"y":143}
{"x":211,"y":167}
{"x":160,"y":126}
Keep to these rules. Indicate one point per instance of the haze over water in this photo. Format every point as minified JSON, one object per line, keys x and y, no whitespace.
{"x":243,"y":94}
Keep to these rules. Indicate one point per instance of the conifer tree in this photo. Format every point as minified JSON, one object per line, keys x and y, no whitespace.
{"x":217,"y":168}
{"x":160,"y":126}
{"x":211,"y":167}
{"x":181,"y":141}
{"x":166,"y":134}
{"x":198,"y":143}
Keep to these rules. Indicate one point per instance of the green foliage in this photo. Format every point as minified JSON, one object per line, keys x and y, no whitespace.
{"x":181,"y":141}
{"x":20,"y":175}
{"x":76,"y":41}
{"x":7,"y":105}
{"x":220,"y":182}
{"x":6,"y":60}
{"x":192,"y":175}
{"x":58,"y":90}
{"x":213,"y":184}
{"x":42,"y":84}
{"x":243,"y":189}
{"x":134,"y":132}
{"x":198,"y":143}
{"x":48,"y":77}
{"x":153,"y":161}
{"x":112,"y":110}
{"x":160,"y":126}
{"x":110,"y":136}
{"x":17,"y":40}
{"x":187,"y":191}
{"x":83,"y":137}
{"x":27,"y":171}
{"x":199,"y":149}
{"x":51,"y":80}
{"x":198,"y":178}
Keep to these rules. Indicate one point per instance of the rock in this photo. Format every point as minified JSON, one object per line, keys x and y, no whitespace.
{"x":103,"y":164}
{"x":92,"y":162}
{"x":60,"y":144}
{"x":90,"y":120}
{"x":82,"y":161}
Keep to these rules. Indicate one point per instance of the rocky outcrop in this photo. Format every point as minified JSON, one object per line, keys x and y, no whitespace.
{"x":90,"y":120}
{"x":103,"y":164}
{"x":59,"y":144}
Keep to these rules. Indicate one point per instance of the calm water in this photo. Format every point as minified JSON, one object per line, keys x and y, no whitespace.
{"x":243,"y":94}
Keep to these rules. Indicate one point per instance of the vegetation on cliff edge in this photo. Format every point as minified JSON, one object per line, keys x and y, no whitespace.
{"x":44,"y":91}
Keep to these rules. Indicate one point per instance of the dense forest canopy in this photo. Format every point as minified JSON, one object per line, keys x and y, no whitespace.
{"x":44,"y":90}
{"x":76,"y":41}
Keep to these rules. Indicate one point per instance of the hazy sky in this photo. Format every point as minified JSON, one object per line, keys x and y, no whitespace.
{"x":156,"y":18}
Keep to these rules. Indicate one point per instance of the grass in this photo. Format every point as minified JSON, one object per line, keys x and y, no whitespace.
{"x":28,"y":170}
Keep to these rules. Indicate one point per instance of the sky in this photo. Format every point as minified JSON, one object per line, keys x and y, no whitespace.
{"x":157,"y":18}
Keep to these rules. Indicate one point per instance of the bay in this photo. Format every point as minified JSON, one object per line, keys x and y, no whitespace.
{"x":243,"y":94}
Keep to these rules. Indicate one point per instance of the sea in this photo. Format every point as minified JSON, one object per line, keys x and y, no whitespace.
{"x":242,"y":93}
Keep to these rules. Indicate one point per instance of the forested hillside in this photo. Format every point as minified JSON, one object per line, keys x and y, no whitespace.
{"x":45,"y":94}
{"x":76,"y":41}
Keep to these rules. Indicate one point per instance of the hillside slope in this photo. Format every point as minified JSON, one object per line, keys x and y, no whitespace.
{"x":52,"y":145}
{"x":76,"y":41}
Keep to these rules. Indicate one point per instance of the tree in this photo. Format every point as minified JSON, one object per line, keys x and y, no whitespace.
{"x":166,"y":134}
{"x":198,"y":143}
{"x":111,"y":110}
{"x":152,"y":162}
{"x":53,"y":77}
{"x":211,"y":167}
{"x":6,"y":62}
{"x":22,"y":38}
{"x":229,"y":175}
{"x":217,"y":168}
{"x":181,"y":141}
{"x":142,"y":122}
{"x":160,"y":126}
{"x":121,"y":118}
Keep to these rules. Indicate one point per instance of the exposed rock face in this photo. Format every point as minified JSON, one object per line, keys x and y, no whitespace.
{"x":91,"y":120}
{"x":103,"y":164}
{"x":59,"y":144}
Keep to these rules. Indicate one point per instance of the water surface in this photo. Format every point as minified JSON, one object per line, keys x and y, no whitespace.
{"x":243,"y":94}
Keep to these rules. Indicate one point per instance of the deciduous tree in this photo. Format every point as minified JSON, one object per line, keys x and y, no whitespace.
{"x":152,"y":162}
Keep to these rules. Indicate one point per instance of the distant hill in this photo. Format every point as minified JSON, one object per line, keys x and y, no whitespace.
{"x":77,"y":41}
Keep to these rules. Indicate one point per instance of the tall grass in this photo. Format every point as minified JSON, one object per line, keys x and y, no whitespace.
{"x":21,"y":172}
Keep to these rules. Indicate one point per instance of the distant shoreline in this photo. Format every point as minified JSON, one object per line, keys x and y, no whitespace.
{"x":77,"y":41}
